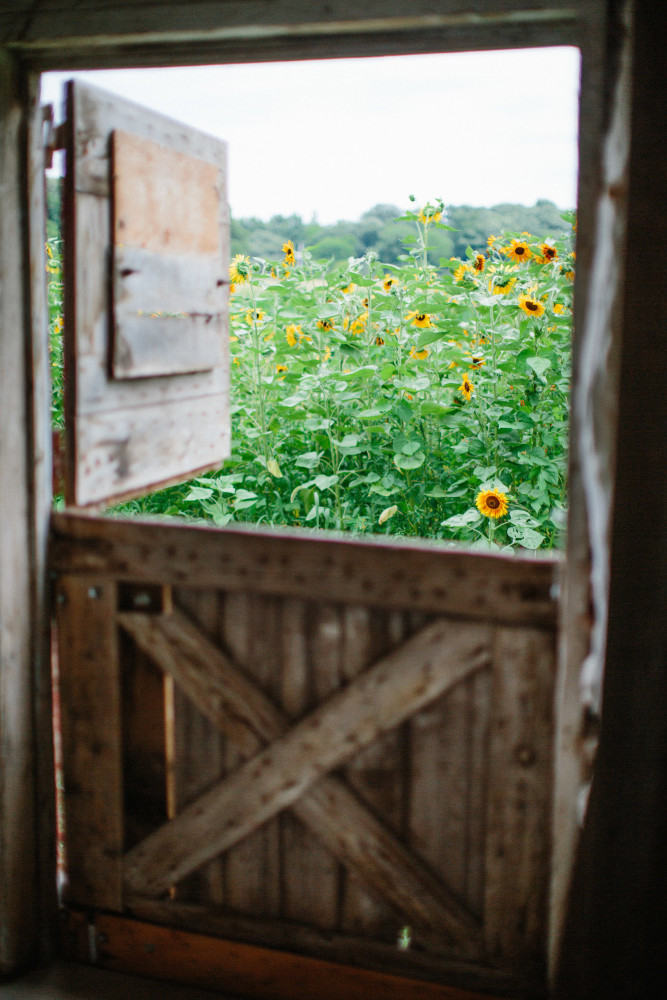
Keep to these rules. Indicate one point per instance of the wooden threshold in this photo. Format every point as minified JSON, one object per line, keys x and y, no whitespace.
{"x":122,"y":944}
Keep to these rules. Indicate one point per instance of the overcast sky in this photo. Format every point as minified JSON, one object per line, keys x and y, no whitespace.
{"x":332,"y":139}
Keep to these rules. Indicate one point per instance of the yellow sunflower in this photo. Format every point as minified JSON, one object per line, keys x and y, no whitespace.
{"x":428,"y":215}
{"x":288,"y":250}
{"x":461,"y":271}
{"x":530,"y":306}
{"x":420,"y":355}
{"x":358,"y":325}
{"x":254,"y":316}
{"x":239,"y":269}
{"x":325,"y":324}
{"x":501,"y":284}
{"x":518,"y":250}
{"x":491,"y":503}
{"x":348,"y":289}
{"x":558,"y":308}
{"x":420,"y":319}
{"x":291,"y":334}
{"x":479,"y":262}
{"x":549,"y":253}
{"x":281,"y":369}
{"x":388,"y":282}
{"x":466,"y":387}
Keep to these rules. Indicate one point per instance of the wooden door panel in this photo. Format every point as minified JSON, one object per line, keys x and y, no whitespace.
{"x":339,"y":776}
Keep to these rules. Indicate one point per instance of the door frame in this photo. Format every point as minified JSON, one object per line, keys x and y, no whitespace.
{"x":26,"y":527}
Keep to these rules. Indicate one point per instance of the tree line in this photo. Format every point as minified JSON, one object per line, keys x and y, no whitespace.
{"x":380,"y":229}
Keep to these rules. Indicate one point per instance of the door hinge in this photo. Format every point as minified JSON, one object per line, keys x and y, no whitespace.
{"x":55,"y":136}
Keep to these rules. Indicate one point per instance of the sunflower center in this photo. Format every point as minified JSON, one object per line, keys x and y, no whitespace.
{"x":519,"y":250}
{"x":531,"y":305}
{"x":493,"y":503}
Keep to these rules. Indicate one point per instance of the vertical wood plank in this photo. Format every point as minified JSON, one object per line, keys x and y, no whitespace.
{"x":18,"y":887}
{"x":199,"y":750}
{"x":92,"y":754}
{"x":479,"y":708}
{"x":377,"y":772}
{"x":310,"y":672}
{"x":519,"y":798}
{"x":252,"y":868}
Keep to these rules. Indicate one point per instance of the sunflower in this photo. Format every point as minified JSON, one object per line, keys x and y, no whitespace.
{"x":428,"y":215}
{"x":388,"y":282}
{"x":420,"y":319}
{"x":558,"y":308}
{"x":291,"y":334}
{"x":530,"y":306}
{"x":325,"y":324}
{"x":466,"y":387}
{"x":281,"y":369}
{"x":358,"y":325}
{"x":288,"y":250}
{"x":479,"y":262}
{"x":348,"y":289}
{"x":461,"y":271}
{"x":239,"y":269}
{"x":518,"y":250}
{"x":491,"y":503}
{"x":254,"y":316}
{"x":549,"y":253}
{"x":379,"y":341}
{"x":502,"y":284}
{"x":420,"y":355}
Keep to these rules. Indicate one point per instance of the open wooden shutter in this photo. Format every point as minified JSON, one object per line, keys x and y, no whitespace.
{"x":146,"y":299}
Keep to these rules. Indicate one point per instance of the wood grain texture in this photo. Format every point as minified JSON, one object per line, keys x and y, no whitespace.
{"x":90,"y":699}
{"x":291,"y":563}
{"x":249,"y":30}
{"x":330,"y":810}
{"x":116,"y":427}
{"x":261,"y":973}
{"x":518,"y":817}
{"x":18,"y":886}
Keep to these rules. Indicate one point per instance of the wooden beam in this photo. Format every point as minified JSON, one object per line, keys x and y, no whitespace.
{"x":398,"y":685}
{"x":331,"y":810}
{"x":96,"y":34}
{"x":18,"y":877}
{"x":178,"y":956}
{"x":419,"y":575}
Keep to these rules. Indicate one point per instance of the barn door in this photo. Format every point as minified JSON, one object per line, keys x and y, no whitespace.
{"x":146,"y":290}
{"x":293,"y":767}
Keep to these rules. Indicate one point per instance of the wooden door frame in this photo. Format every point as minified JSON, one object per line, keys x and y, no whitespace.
{"x":33,"y":46}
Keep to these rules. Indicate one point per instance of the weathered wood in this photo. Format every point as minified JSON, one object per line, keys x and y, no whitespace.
{"x":394,"y":688}
{"x":329,"y":810}
{"x":168,"y":269}
{"x":42,"y":499}
{"x":519,"y":796}
{"x":310,"y":670}
{"x":121,"y":441}
{"x":249,"y":31}
{"x":292,"y":563}
{"x":199,"y":748}
{"x":18,"y":885}
{"x":90,"y":699}
{"x":345,"y":949}
{"x":265,"y":974}
{"x":377,"y":774}
{"x":124,"y":452}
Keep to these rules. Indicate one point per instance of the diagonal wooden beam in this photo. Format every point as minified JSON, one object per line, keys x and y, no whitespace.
{"x":397,"y":686}
{"x":333,"y":812}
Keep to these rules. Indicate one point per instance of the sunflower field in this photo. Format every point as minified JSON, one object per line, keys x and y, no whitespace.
{"x":404,"y":399}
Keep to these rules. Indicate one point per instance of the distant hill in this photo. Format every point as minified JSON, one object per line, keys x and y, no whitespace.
{"x":377,"y":229}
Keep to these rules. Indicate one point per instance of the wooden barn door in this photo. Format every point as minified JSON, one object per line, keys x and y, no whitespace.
{"x":290,"y":759}
{"x":293,"y":767}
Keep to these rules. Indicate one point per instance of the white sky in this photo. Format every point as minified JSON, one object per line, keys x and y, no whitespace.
{"x":332,"y":139}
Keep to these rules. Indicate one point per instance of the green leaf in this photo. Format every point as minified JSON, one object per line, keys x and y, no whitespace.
{"x":309,"y":459}
{"x":470,"y":516}
{"x":539,"y":365}
{"x":429,"y":409}
{"x":410,"y":461}
{"x":523,"y":519}
{"x":199,"y":493}
{"x":527,"y":537}
{"x":325,"y":482}
{"x":410,"y":447}
{"x":437,"y":492}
